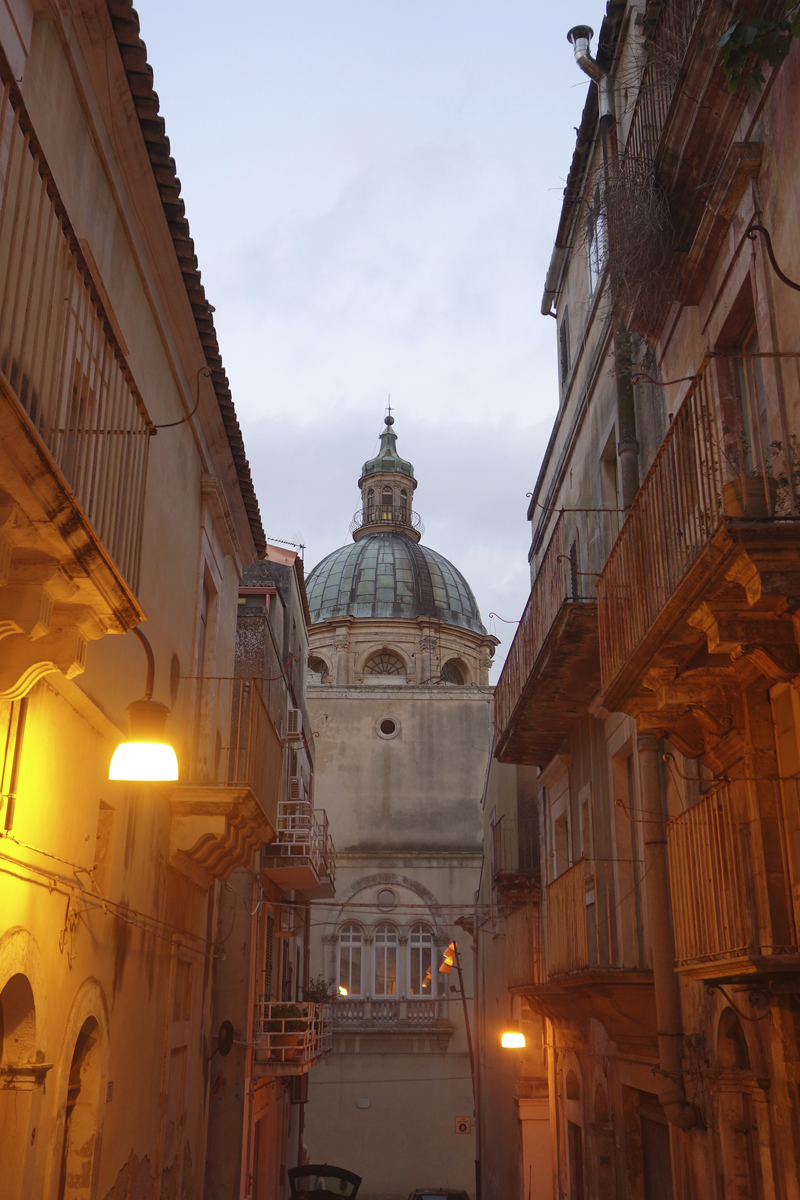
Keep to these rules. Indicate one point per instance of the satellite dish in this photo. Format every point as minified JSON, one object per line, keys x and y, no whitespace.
{"x":225,"y":1038}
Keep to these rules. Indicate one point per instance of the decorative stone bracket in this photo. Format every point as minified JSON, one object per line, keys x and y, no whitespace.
{"x":23,"y":1077}
{"x":214,"y":830}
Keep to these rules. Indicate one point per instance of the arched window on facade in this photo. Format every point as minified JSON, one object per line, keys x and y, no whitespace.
{"x":317,"y":668}
{"x":387,"y":504}
{"x":452,"y":672}
{"x":82,"y":1111}
{"x":422,"y":966}
{"x":385,"y":663}
{"x":385,"y":961}
{"x":17,"y":1050}
{"x":351,"y":954}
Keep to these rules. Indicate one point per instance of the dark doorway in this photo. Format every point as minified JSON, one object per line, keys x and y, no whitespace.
{"x":575,"y":1145}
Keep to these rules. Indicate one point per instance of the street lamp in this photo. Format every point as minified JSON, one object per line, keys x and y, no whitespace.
{"x":146,"y":756}
{"x":513,"y":1038}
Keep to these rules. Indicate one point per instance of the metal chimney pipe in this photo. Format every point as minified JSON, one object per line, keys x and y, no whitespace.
{"x":581,"y":39}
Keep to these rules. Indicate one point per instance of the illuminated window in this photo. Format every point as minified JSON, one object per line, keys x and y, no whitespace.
{"x":421,"y":962}
{"x":351,"y":950}
{"x":387,"y":506}
{"x":385,"y":961}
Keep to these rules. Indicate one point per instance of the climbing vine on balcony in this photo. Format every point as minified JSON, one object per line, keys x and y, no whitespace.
{"x":759,"y":39}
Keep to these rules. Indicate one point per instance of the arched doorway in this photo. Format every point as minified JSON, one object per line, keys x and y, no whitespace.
{"x":737,"y":1102}
{"x":80,"y":1120}
{"x":603,"y":1130}
{"x":17,"y":1062}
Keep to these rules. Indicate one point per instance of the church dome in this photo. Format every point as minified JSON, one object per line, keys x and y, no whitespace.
{"x":390,"y":575}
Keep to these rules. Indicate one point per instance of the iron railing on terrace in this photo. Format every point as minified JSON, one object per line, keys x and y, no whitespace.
{"x":557,"y":582}
{"x":515,"y":851}
{"x":715,"y":866}
{"x":716,"y":462}
{"x":666,"y":50}
{"x":226,"y":738}
{"x":303,"y":834}
{"x":387,"y":514}
{"x":525,"y":947}
{"x":59,"y":355}
{"x":594,"y":918}
{"x":292,"y":1033}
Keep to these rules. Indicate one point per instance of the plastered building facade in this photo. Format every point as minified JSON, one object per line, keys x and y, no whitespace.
{"x":652,"y":682}
{"x":125,"y":500}
{"x":400,"y":708}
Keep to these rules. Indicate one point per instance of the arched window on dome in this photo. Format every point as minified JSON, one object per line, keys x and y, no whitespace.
{"x":351,"y":951}
{"x":387,"y":504}
{"x":422,"y":966}
{"x":370,"y":504}
{"x":384,"y":663}
{"x":403,"y":505}
{"x":385,"y":961}
{"x":453,"y":672}
{"x":317,"y":670}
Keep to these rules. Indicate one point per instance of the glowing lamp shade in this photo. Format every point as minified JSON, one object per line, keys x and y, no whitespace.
{"x":342,"y":990}
{"x":145,"y":757}
{"x":513,"y":1038}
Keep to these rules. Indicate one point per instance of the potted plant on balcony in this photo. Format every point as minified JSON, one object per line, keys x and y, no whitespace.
{"x":319,"y":990}
{"x":749,"y":493}
{"x":285,"y":1026}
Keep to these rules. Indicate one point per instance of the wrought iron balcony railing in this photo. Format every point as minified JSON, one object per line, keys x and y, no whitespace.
{"x":559,"y":583}
{"x":724,"y":925}
{"x":666,"y":50}
{"x":525,"y":947}
{"x":289,"y":1037}
{"x":302,"y":837}
{"x":515,"y":857}
{"x":59,"y":354}
{"x":226,"y":739}
{"x":387,"y":514}
{"x":595,"y":919}
{"x":716,"y":463}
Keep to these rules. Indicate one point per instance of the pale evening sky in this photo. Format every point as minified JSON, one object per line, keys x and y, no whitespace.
{"x":373,"y":187}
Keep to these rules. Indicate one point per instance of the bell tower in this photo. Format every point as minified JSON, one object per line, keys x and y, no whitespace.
{"x":387,"y":488}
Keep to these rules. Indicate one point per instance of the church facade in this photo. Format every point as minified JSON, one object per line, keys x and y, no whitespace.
{"x":401,"y":705}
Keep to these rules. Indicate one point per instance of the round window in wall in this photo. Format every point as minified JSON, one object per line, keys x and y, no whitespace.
{"x":387,"y":726}
{"x":386,"y":899}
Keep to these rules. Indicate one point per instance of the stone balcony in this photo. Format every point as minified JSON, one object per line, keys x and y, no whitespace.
{"x":552,"y":669}
{"x":230,"y":762}
{"x":74,"y":439}
{"x":403,"y":1021}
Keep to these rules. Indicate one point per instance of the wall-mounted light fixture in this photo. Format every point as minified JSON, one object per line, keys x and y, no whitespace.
{"x":513,"y":1038}
{"x":146,"y":756}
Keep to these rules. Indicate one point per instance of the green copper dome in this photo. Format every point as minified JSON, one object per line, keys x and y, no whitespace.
{"x":388,"y":459}
{"x":389,"y":575}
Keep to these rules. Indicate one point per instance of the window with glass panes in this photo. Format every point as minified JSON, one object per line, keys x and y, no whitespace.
{"x":422,"y":962}
{"x":385,"y":948}
{"x":351,"y":952}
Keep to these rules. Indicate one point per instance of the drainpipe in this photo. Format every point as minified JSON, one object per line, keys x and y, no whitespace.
{"x":627,"y":446}
{"x":671,"y":1092}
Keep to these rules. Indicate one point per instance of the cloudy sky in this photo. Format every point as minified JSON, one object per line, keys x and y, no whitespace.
{"x":373,"y":187}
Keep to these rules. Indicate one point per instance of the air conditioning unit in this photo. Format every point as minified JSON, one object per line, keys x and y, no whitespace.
{"x":297,"y":789}
{"x":294,"y":723}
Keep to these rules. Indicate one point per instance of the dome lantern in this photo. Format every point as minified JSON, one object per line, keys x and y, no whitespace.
{"x":387,"y":488}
